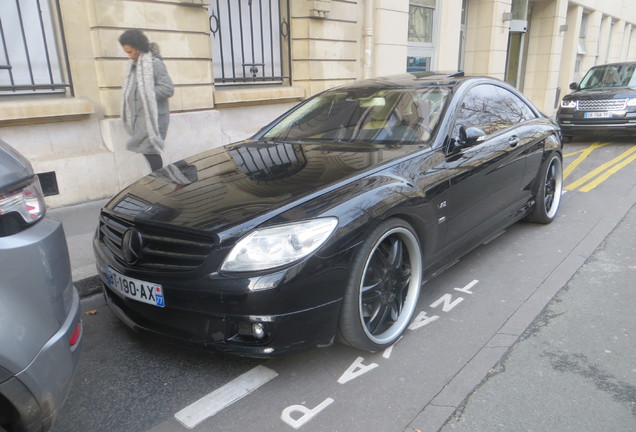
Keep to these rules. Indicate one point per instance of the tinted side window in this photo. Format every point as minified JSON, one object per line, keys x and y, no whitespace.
{"x":479,"y":108}
{"x":514,"y":109}
{"x":492,"y":109}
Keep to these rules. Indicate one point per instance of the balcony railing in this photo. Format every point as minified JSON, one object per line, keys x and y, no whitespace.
{"x":250,"y":41}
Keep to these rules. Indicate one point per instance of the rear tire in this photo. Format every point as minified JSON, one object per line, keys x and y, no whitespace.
{"x":548,"y":196}
{"x":382,"y":291}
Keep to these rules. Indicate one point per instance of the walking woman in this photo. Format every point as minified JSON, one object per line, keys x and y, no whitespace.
{"x":145,"y":92}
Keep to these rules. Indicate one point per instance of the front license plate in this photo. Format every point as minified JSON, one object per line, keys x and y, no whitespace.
{"x":597,"y":115}
{"x":146,"y":292}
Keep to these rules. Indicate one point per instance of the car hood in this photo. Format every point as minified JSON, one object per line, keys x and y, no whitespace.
{"x":603,"y":93}
{"x":246,"y":183}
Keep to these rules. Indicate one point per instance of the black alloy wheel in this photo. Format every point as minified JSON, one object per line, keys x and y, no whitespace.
{"x":383,"y":289}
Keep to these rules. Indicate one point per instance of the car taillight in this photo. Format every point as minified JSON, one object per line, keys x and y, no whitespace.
{"x":27,"y":202}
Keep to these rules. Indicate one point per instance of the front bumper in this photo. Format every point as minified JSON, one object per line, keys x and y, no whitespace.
{"x":574,"y":124}
{"x":286,"y":333}
{"x":299,"y":311}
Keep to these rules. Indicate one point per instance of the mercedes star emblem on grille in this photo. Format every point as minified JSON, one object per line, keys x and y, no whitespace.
{"x":131,"y":245}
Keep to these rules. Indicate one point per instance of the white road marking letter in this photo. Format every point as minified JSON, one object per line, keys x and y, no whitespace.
{"x":387,"y":352}
{"x":467,"y":288}
{"x":446,"y":300}
{"x":224,"y":396}
{"x":421,"y":320}
{"x":306,"y":414}
{"x":355,"y":370}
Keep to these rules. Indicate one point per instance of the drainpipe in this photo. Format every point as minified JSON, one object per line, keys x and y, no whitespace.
{"x":369,"y":23}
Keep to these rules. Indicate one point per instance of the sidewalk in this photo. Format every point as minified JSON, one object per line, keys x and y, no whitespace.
{"x":80,"y":223}
{"x":573,"y":370}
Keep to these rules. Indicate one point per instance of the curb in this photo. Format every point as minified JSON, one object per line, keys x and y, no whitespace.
{"x":88,"y":286}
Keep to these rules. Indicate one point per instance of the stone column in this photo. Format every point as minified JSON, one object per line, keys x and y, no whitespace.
{"x":447,"y":49}
{"x":604,"y":39}
{"x":390,"y":37}
{"x":487,"y":37}
{"x":592,"y":43}
{"x":616,"y":47}
{"x":570,"y":47}
{"x":544,"y":53}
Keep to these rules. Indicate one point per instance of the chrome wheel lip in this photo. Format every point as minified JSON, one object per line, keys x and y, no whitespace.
{"x":412,"y":287}
{"x":553,"y":187}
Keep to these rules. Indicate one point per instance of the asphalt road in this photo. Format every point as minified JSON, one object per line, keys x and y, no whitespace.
{"x":513,"y":337}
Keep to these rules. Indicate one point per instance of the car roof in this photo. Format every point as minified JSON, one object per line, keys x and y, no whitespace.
{"x":613,"y":64}
{"x":415,"y":80}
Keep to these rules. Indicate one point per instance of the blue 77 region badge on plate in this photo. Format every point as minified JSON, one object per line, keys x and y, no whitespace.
{"x":146,"y":292}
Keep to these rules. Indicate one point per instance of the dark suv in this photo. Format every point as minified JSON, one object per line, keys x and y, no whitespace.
{"x":603,"y":103}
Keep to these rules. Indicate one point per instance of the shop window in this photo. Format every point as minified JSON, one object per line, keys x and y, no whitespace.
{"x":31,"y":49}
{"x":250,"y":41}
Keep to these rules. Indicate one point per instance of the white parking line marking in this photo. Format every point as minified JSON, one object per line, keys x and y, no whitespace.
{"x":225,"y":396}
{"x":387,"y":352}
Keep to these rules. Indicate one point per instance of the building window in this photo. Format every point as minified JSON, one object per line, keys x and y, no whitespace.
{"x":31,"y":49}
{"x":581,"y":45}
{"x":250,"y":41}
{"x":421,"y":35}
{"x":421,"y":20}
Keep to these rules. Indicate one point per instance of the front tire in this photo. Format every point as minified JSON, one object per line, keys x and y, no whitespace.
{"x":382,"y":291}
{"x":548,"y":196}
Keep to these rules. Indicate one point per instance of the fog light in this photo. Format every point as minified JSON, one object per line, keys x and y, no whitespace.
{"x":258,"y":330}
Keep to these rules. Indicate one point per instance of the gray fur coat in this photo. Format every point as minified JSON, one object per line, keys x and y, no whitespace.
{"x":144,"y":111}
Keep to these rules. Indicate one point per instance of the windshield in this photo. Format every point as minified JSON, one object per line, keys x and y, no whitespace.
{"x":382,"y":116}
{"x":619,"y":75}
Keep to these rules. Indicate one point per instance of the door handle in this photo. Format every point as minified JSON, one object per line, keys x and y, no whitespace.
{"x":513,"y":141}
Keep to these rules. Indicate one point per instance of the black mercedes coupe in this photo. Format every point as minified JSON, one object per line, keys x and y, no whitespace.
{"x":323,"y":226}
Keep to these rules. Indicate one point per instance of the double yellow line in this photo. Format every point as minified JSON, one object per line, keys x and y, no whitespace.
{"x":600,"y":174}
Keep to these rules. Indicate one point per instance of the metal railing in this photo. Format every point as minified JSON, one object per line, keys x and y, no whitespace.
{"x":250,"y":41}
{"x":30,"y":60}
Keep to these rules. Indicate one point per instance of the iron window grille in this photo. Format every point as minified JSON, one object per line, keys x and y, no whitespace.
{"x":32,"y":49}
{"x":250,"y":41}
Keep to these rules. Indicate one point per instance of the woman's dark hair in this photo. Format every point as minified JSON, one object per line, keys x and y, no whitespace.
{"x":136,"y":39}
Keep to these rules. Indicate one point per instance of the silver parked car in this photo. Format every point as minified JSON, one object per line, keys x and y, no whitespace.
{"x":40,"y":326}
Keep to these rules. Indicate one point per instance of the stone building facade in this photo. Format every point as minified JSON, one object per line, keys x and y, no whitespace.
{"x":238,"y":64}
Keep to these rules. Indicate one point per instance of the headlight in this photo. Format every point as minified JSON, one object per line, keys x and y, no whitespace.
{"x":568,"y":104}
{"x":27,"y":202}
{"x":279,"y":245}
{"x":631,"y":102}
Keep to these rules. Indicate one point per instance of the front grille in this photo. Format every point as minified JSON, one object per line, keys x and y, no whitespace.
{"x":163,"y":250}
{"x":601,"y":105}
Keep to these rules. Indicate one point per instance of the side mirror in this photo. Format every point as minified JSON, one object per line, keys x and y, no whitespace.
{"x":470,"y":136}
{"x":574,"y":86}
